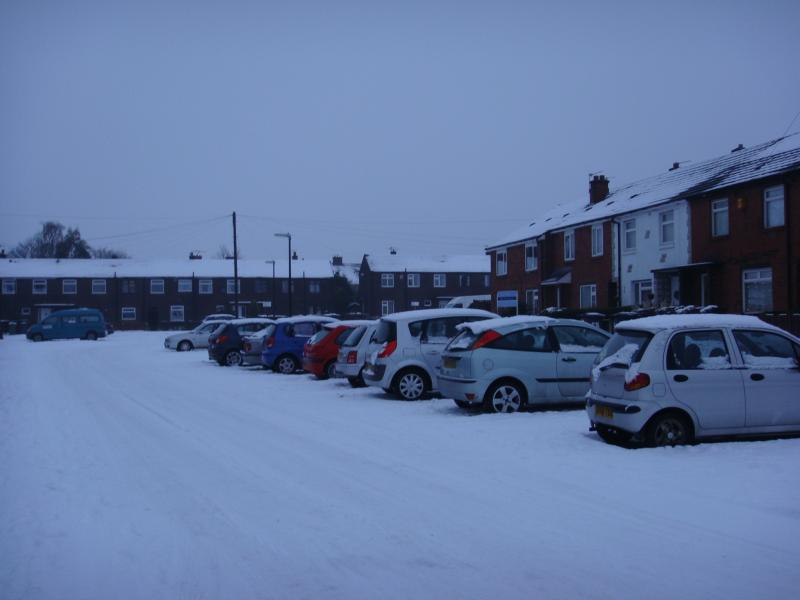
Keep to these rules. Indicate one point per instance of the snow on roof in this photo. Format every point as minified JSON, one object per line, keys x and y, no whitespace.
{"x":518,"y":322}
{"x":459,"y":263}
{"x":299,"y":318}
{"x":130,"y":267}
{"x":435,"y":313}
{"x":248,"y":321}
{"x":694,"y":320}
{"x":747,"y":164}
{"x":349,"y":323}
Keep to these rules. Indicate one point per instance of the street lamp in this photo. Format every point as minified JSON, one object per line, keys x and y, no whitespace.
{"x":289,"y":237}
{"x":273,"y":285}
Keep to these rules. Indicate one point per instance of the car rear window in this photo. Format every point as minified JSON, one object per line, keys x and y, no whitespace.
{"x":354,"y":336}
{"x":386,"y":332}
{"x":624,"y":338}
{"x":320,"y":335}
{"x":343,"y":335}
{"x":462,"y":342}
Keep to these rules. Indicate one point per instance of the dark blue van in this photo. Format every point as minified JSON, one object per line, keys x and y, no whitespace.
{"x":283,"y":348}
{"x":82,"y":323}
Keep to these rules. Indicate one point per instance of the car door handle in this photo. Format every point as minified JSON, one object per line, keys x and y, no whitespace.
{"x":681,"y":378}
{"x":756,"y":377}
{"x":569,"y":359}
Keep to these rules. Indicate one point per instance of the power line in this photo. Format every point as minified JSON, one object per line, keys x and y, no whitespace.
{"x":791,"y":123}
{"x":156,"y":230}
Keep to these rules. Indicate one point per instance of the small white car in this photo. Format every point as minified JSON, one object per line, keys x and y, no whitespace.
{"x":353,"y":354}
{"x":195,"y":338}
{"x":671,"y":379}
{"x":219,"y":317}
{"x":406,"y":349}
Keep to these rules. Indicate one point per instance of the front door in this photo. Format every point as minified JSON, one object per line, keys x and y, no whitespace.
{"x":701,"y":377}
{"x":577,"y":349}
{"x":152,"y":317}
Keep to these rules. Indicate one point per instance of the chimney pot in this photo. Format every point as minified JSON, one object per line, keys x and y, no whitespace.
{"x":739,"y":147}
{"x":675,"y":165}
{"x":337,"y":261}
{"x":598,"y":189}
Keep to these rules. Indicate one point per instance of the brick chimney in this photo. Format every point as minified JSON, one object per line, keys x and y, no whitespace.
{"x":337,"y":261}
{"x":598,"y":189}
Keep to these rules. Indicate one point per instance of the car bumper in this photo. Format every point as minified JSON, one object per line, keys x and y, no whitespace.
{"x":463,"y":390}
{"x":617,"y":413}
{"x":347,"y":369}
{"x":374,"y":375}
{"x":250,"y":360}
{"x":312,"y":365}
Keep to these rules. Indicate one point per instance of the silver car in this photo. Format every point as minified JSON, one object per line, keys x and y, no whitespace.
{"x":253,"y":346}
{"x":671,"y":379}
{"x":195,"y":338}
{"x":353,"y":354}
{"x":504,"y":365}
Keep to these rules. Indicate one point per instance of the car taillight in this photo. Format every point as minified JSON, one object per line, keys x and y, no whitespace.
{"x":270,"y":342}
{"x":222,"y":339}
{"x":351,"y":357}
{"x":486,"y":338}
{"x":388,"y":349}
{"x":642,"y":380}
{"x":247,"y":346}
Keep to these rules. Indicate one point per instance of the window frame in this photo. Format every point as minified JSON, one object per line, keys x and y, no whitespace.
{"x":498,"y":262}
{"x":440,"y":280}
{"x":715,"y":210}
{"x":172,"y":312}
{"x":685,"y":332}
{"x":182,"y":282}
{"x":65,"y":291}
{"x":128,"y":309}
{"x":231,"y":287}
{"x":532,"y":261}
{"x":95,"y":290}
{"x":153,"y":285}
{"x":625,"y":231}
{"x":662,"y":242}
{"x":597,"y":240}
{"x":9,"y":286}
{"x":413,"y":277}
{"x":767,"y":202}
{"x":592,"y":295}
{"x":201,"y":287}
{"x":41,"y":282}
{"x":387,"y":280}
{"x":569,"y":245}
{"x":759,"y":279}
{"x":387,"y":307}
{"x":533,"y":304}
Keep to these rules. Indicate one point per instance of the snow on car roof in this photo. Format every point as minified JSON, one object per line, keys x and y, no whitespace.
{"x":300,"y":318}
{"x":248,"y":321}
{"x":520,"y":321}
{"x":434,"y":313}
{"x":350,"y":323}
{"x":694,"y":320}
{"x":458,"y":263}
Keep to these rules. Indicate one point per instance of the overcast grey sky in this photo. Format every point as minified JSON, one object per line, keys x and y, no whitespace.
{"x":434,"y":127}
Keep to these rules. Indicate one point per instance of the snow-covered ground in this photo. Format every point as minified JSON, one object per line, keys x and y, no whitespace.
{"x":129,"y":471}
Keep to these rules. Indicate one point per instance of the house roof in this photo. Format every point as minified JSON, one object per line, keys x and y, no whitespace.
{"x":129,"y":267}
{"x":748,"y":164}
{"x":460,"y":263}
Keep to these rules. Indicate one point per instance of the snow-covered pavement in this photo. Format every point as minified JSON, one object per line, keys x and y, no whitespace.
{"x":129,"y":471}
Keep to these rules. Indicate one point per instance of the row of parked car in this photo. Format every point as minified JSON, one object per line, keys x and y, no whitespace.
{"x":662,"y":380}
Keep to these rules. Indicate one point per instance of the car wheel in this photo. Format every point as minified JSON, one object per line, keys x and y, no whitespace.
{"x":669,"y":429}
{"x":185,"y":346}
{"x":233,"y":358}
{"x":504,"y":397}
{"x":91,"y":336}
{"x":612,"y":435}
{"x":286,"y":364}
{"x":37,"y":337}
{"x":358,"y":380}
{"x":330,"y":370}
{"x":411,"y":385}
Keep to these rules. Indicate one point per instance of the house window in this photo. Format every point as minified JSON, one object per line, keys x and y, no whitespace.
{"x":532,"y":301}
{"x":128,"y":286}
{"x":502,"y":262}
{"x":128,"y":313}
{"x":387,"y":280}
{"x":463,"y":280}
{"x":719,"y":218}
{"x":205,"y":287}
{"x":757,"y":290}
{"x":569,"y":245}
{"x":427,"y":303}
{"x":773,"y":206}
{"x":629,"y":235}
{"x":531,"y":258}
{"x":666,"y":227}
{"x":176,"y":313}
{"x":69,"y":287}
{"x":98,"y":286}
{"x":285,"y":286}
{"x":39,"y":287}
{"x":184,"y":286}
{"x":589,"y":296}
{"x":156,"y":286}
{"x":387,"y":307}
{"x":25,"y":311}
{"x":313,"y":287}
{"x":439,"y":280}
{"x":597,"y":240}
{"x":487,"y":281}
{"x":232,"y":288}
{"x":643,"y":293}
{"x":9,"y":287}
{"x":413,"y":280}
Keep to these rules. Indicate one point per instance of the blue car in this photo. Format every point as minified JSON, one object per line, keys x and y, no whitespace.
{"x":284,"y":341}
{"x":83,"y":323}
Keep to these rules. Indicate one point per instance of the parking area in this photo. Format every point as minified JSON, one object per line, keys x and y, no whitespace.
{"x":132,"y":471}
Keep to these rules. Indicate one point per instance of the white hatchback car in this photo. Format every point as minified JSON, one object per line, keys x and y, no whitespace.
{"x":195,"y":338}
{"x":406,"y":348}
{"x":670,"y":379}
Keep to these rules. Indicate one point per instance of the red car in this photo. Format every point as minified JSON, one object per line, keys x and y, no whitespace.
{"x":322,"y":349}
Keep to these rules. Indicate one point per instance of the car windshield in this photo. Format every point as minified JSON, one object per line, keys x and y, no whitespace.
{"x":386,"y":332}
{"x":463,"y":341}
{"x":266,"y":332}
{"x":320,"y":335}
{"x":219,"y":329}
{"x":621,"y":338}
{"x":354,"y":336}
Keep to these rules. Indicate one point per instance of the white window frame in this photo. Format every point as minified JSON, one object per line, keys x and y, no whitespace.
{"x":532,"y":261}
{"x":183,"y":284}
{"x":99,"y":287}
{"x":501,"y":262}
{"x":43,"y":287}
{"x":387,"y":280}
{"x":313,"y":287}
{"x":128,"y":313}
{"x":69,"y":287}
{"x":9,"y":287}
{"x":662,"y":225}
{"x":154,"y":284}
{"x":640,"y":286}
{"x":762,"y":275}
{"x":175,"y":311}
{"x":625,"y":231}
{"x":597,"y":240}
{"x":718,"y":207}
{"x":767,"y":201}
{"x":230,"y":286}
{"x":413,"y":280}
{"x":463,"y":280}
{"x":592,"y":290}
{"x":205,"y":287}
{"x":532,"y":301}
{"x":439,"y":280}
{"x":569,"y":245}
{"x":387,"y":307}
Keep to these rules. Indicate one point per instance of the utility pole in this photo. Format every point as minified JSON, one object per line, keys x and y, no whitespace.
{"x":235,"y":270}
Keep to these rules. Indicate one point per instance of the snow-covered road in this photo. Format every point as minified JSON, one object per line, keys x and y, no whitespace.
{"x":129,"y":471}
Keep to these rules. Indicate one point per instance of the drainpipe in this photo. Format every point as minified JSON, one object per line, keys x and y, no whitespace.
{"x":788,"y":228}
{"x":619,"y":262}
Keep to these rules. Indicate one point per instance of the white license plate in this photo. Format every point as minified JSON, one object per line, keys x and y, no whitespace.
{"x":603,"y":411}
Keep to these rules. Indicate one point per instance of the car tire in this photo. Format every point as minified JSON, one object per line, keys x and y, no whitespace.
{"x":37,"y":337}
{"x":612,"y":435}
{"x":504,"y":396}
{"x":358,"y":380}
{"x":185,"y":346}
{"x":286,"y":364}
{"x":330,"y":370}
{"x":91,"y":336}
{"x":233,"y":358}
{"x":669,"y":429}
{"x":411,"y":384}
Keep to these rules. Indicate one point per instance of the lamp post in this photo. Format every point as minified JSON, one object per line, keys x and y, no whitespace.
{"x":273,"y":286}
{"x":288,"y":236}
